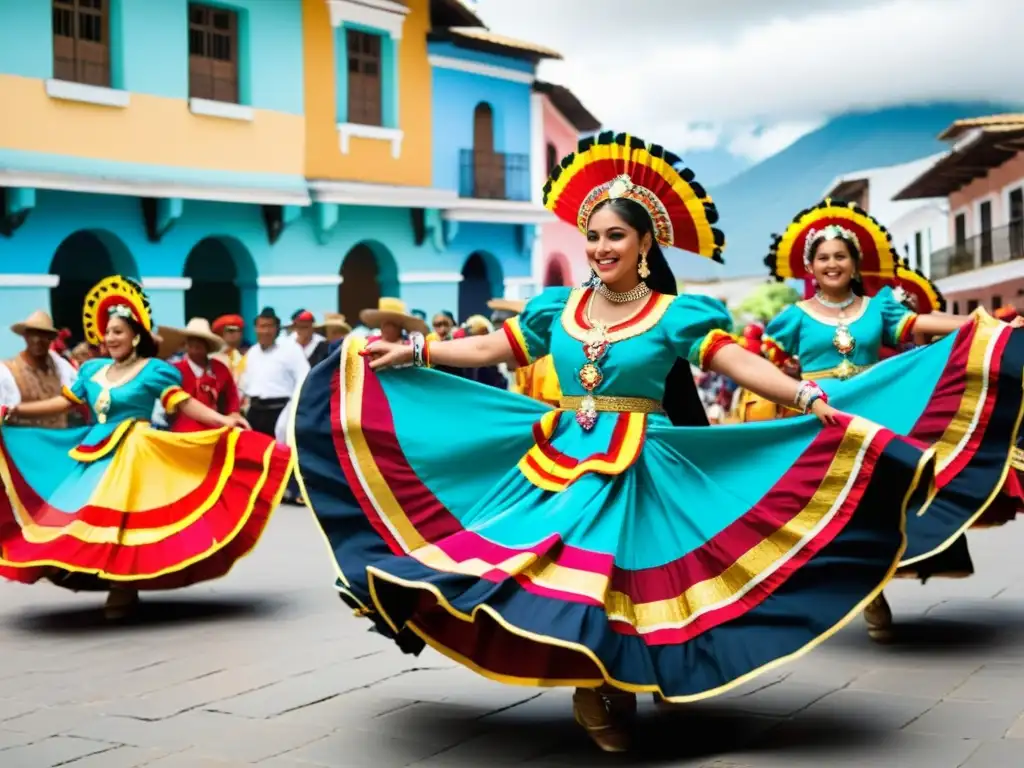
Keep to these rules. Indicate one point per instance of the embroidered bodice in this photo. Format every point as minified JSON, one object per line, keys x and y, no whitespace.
{"x":801,"y":331}
{"x":113,"y":404}
{"x":640,"y":350}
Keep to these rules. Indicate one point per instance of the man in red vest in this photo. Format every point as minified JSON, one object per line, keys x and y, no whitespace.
{"x":203,"y":377}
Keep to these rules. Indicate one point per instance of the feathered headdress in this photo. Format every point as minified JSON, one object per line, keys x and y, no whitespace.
{"x":619,"y":165}
{"x":922,"y":293}
{"x":790,"y":254}
{"x":112,"y":296}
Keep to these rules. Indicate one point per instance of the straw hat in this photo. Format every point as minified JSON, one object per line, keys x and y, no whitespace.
{"x":199,"y":328}
{"x":506,"y":305}
{"x":395,"y":311}
{"x":37,"y":321}
{"x":169,"y":340}
{"x":334,"y":320}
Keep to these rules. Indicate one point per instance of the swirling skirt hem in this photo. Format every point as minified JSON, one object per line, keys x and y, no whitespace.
{"x":244,"y":487}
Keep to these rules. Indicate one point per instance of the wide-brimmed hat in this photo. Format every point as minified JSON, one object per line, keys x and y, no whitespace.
{"x":395,"y":311}
{"x":334,"y":320}
{"x":37,"y":321}
{"x":199,"y":328}
{"x":169,"y":340}
{"x":507,"y":305}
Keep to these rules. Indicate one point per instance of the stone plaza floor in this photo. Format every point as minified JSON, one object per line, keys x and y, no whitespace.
{"x":267,"y":668}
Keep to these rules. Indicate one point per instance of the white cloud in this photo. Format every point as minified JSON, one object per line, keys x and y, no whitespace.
{"x":658,"y":70}
{"x":687,"y":138}
{"x":758,"y":142}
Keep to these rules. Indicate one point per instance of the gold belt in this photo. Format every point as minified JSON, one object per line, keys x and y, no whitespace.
{"x":1017,"y":459}
{"x":847,"y":371}
{"x":611,"y":404}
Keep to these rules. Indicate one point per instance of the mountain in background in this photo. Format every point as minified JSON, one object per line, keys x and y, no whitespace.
{"x":763,"y":199}
{"x":715,"y":167}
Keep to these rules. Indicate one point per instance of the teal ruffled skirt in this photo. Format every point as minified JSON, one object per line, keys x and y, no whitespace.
{"x":681,"y":561}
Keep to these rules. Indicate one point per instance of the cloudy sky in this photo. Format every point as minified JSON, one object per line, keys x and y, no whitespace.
{"x":748,"y":77}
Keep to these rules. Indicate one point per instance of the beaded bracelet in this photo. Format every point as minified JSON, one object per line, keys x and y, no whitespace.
{"x":418,"y":342}
{"x":806,"y":395}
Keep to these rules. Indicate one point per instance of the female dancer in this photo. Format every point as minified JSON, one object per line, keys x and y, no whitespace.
{"x":117,"y":505}
{"x":596,"y":545}
{"x":962,"y":395}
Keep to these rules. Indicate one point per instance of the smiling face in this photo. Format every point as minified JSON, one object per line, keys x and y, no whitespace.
{"x":833,"y":266}
{"x":613,"y":249}
{"x":118,"y":339}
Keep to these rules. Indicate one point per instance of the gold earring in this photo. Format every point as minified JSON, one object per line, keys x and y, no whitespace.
{"x":642,"y":268}
{"x":135,"y":341}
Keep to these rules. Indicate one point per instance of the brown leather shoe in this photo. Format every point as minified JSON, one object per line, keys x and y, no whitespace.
{"x":878,"y":615}
{"x":591,"y":711}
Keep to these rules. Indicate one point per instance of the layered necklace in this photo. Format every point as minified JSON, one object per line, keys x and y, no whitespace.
{"x":842,"y":339}
{"x":639,"y":291}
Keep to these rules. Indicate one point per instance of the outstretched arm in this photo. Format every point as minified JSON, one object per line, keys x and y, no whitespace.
{"x":470,"y":352}
{"x":942,"y":324}
{"x":755,"y":373}
{"x":49,"y":407}
{"x":939,"y":323}
{"x":206,"y":415}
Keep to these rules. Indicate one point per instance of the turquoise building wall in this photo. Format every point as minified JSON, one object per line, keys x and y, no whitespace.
{"x":302,"y":267}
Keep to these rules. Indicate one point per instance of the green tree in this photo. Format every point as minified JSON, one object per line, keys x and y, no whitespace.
{"x":767,"y":300}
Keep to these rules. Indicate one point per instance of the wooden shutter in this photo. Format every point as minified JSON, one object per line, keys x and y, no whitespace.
{"x":81,"y":41}
{"x":364,"y":78}
{"x":488,"y":165}
{"x":212,"y":53}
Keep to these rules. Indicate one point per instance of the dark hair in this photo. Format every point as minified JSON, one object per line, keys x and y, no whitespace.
{"x":147,"y":346}
{"x":856,"y":284}
{"x":681,"y":401}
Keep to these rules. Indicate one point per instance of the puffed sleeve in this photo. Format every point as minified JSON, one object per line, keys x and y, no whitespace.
{"x":75,"y":393}
{"x":698,"y":328}
{"x":782,"y":335}
{"x":529,"y":333}
{"x":164,"y":381}
{"x":897,"y":320}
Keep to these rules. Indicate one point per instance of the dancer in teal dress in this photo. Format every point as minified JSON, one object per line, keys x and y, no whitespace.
{"x":962,"y":395}
{"x":117,"y":505}
{"x":598,"y":545}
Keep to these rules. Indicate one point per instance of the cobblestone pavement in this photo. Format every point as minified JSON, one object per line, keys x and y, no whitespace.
{"x":266,"y":668}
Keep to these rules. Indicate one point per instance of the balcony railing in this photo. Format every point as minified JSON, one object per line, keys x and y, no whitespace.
{"x":494,"y":175}
{"x":993,"y":246}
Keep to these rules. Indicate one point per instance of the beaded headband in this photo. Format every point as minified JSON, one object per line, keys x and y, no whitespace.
{"x":831,"y":232}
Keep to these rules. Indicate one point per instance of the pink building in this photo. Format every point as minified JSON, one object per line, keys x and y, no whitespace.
{"x":982,"y":176}
{"x":559,"y":258}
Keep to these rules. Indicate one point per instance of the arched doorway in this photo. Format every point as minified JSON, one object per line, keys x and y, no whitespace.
{"x":558,"y":271}
{"x":83,"y":259}
{"x":223,"y":278}
{"x":481,"y":281}
{"x":368,"y":272}
{"x":488,"y":165}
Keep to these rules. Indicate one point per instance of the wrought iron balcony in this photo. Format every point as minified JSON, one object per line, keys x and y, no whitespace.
{"x":494,"y":175}
{"x":992,"y":246}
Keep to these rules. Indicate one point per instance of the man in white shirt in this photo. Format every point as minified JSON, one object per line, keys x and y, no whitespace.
{"x":274,"y":368}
